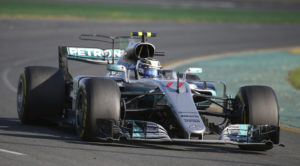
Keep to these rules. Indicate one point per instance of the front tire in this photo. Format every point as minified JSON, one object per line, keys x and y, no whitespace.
{"x":257,"y":105}
{"x":97,"y":99}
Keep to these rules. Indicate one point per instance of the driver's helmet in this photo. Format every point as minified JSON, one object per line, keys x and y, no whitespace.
{"x":148,"y":67}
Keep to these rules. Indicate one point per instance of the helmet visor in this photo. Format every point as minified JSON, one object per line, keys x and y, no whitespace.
{"x":150,"y":72}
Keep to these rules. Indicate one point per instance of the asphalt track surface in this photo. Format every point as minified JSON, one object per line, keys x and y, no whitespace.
{"x":26,"y":42}
{"x":282,"y":5}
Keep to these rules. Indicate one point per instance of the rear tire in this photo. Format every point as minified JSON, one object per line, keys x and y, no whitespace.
{"x":97,"y":99}
{"x":40,"y":95}
{"x":257,"y":105}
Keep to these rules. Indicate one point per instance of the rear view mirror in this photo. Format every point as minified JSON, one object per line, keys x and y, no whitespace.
{"x":191,"y":70}
{"x":117,"y":71}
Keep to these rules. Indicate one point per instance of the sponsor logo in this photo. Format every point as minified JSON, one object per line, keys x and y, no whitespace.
{"x":191,"y":116}
{"x":91,"y":53}
{"x":192,"y":120}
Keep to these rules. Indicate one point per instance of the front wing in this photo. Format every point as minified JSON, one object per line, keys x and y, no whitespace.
{"x":144,"y":131}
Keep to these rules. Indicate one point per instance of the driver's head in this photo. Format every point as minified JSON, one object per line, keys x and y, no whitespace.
{"x":148,"y":67}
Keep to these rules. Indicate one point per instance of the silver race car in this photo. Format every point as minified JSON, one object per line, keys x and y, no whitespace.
{"x":138,"y":100}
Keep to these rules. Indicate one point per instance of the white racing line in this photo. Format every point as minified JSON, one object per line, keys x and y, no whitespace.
{"x":170,"y":64}
{"x":9,"y":85}
{"x":177,"y":63}
{"x":6,"y":71}
{"x":7,"y":82}
{"x":12,"y":152}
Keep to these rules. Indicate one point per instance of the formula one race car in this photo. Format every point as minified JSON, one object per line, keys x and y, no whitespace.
{"x":138,"y":100}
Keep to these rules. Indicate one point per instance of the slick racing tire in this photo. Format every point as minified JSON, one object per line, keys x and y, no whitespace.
{"x":40,"y":95}
{"x":97,"y":99}
{"x":257,"y":105}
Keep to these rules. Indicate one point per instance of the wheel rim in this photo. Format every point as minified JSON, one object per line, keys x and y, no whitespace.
{"x":20,"y":97}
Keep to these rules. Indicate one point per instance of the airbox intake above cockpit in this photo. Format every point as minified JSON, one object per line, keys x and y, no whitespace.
{"x":140,"y":50}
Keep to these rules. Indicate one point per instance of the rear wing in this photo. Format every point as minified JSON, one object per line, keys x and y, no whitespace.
{"x":96,"y":55}
{"x":103,"y":56}
{"x":92,"y":55}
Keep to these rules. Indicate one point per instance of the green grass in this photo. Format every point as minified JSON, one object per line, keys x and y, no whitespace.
{"x":21,"y":8}
{"x":294,"y":78}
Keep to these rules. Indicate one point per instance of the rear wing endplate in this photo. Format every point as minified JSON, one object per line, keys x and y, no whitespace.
{"x":89,"y":55}
{"x":92,"y":55}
